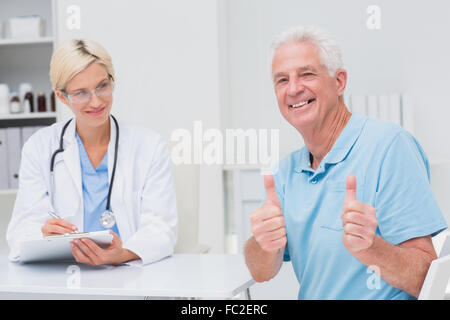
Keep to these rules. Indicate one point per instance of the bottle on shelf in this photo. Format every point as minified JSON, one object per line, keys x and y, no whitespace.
{"x":24,"y":87}
{"x":14,"y":104}
{"x":41,"y":102}
{"x":28,"y":103}
{"x":53,"y":100}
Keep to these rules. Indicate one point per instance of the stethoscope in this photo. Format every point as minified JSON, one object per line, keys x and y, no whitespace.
{"x":107,"y":219}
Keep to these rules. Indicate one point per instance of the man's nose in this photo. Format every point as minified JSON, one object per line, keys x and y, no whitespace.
{"x":295,"y":87}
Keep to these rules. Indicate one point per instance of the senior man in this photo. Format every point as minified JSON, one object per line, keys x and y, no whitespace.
{"x":355,"y":202}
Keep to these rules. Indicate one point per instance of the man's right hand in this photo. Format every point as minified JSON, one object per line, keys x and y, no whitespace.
{"x":267,"y":222}
{"x":57,"y":226}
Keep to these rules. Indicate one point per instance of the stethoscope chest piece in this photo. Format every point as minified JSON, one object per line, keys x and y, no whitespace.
{"x":107,"y":219}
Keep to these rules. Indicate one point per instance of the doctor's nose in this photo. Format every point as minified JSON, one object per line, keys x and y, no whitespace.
{"x":95,"y":100}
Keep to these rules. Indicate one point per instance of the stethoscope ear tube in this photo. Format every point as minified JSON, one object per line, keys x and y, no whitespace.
{"x":61,"y":146}
{"x":107,"y":219}
{"x":116,"y":150}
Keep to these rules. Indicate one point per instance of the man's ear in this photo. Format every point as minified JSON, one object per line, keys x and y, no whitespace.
{"x":341,"y":81}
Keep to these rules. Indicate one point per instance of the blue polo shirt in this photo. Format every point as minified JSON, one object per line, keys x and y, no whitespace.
{"x":392,"y":175}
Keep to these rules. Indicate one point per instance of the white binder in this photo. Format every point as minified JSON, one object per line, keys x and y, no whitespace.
{"x":14,"y":143}
{"x":408,"y":113}
{"x":4,"y":173}
{"x":395,"y":109}
{"x":359,"y":104}
{"x":383,"y":107}
{"x":348,"y":101}
{"x":56,"y":248}
{"x":372,"y":106}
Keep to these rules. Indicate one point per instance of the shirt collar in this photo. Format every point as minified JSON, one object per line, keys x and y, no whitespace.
{"x":341,"y":147}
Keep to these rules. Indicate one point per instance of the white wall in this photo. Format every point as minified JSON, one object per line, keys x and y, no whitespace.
{"x":166,"y":59}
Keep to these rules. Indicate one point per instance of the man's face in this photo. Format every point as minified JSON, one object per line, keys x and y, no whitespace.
{"x":305,"y":91}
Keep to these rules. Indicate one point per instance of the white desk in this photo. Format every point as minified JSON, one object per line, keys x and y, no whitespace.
{"x":182,"y":276}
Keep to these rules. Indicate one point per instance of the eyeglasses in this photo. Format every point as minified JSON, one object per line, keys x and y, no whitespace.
{"x":81,"y":97}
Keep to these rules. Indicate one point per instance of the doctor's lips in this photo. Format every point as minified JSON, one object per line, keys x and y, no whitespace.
{"x":95,"y":112}
{"x":302,"y":103}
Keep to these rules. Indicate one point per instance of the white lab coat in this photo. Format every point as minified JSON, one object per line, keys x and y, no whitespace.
{"x":142,"y":199}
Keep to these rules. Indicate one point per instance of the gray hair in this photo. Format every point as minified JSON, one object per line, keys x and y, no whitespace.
{"x":329,"y":51}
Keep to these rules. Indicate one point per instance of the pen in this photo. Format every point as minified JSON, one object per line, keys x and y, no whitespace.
{"x":54,"y":215}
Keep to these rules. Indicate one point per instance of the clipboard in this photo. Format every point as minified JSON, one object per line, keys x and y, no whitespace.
{"x":58,"y":248}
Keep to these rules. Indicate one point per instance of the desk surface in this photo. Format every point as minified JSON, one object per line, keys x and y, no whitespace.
{"x":181,"y":275}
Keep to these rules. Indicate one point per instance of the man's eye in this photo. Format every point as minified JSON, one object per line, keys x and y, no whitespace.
{"x":282,"y":80}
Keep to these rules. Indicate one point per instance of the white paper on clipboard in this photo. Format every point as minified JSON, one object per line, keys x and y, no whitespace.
{"x":57,"y":248}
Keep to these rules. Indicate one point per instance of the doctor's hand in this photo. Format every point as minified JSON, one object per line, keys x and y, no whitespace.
{"x":86,"y":251}
{"x":267,"y":222}
{"x":359,"y":220}
{"x":57,"y":226}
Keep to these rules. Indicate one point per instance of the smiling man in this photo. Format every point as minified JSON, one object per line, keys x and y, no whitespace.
{"x":355,"y":199}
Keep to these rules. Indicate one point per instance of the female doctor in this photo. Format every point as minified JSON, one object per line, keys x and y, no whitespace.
{"x":98,"y":165}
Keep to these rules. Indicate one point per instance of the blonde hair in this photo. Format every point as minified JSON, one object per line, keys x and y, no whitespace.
{"x":72,"y":57}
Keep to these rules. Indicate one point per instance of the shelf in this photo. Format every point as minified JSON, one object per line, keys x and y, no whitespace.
{"x":28,"y":119}
{"x":33,"y":115}
{"x":13,"y":42}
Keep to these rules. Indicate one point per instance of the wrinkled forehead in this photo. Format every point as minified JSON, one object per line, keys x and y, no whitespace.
{"x":295,"y":55}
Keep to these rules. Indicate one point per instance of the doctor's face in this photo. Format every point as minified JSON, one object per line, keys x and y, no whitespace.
{"x":89,"y":95}
{"x":305,"y":90}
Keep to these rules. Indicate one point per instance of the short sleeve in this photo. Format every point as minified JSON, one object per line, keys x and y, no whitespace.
{"x":406,"y":207}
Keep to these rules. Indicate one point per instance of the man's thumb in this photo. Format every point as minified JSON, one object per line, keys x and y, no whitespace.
{"x":271,"y":192}
{"x":351,"y":188}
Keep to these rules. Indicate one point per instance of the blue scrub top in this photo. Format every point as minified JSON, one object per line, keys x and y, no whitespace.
{"x":392,"y":174}
{"x":95,"y":186}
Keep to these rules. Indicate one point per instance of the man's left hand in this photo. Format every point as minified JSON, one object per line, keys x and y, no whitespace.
{"x":359,"y":220}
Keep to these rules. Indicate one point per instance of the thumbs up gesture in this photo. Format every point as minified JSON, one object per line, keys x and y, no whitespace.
{"x":267,"y":222}
{"x":359,"y":220}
